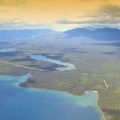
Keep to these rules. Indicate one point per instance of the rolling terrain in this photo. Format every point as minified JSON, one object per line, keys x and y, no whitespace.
{"x":93,"y":52}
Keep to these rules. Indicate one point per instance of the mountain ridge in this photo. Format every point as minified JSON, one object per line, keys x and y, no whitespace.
{"x":99,"y":33}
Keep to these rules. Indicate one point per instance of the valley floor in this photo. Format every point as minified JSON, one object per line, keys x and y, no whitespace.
{"x":96,"y":70}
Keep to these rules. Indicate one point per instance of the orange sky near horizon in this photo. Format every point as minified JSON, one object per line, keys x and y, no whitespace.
{"x":59,"y":14}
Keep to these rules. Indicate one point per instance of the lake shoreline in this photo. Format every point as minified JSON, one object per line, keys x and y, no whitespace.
{"x":60,"y":91}
{"x":73,"y":95}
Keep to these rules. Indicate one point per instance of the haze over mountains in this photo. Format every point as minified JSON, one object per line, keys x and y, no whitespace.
{"x":25,"y":33}
{"x":97,"y":34}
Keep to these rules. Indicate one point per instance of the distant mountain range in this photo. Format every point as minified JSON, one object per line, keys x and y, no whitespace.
{"x":26,"y":33}
{"x":98,"y":34}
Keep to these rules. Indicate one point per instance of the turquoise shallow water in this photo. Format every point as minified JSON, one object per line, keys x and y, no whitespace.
{"x":18,"y":103}
{"x":67,"y":66}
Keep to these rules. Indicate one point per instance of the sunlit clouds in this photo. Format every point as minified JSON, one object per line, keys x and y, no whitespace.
{"x":59,"y":14}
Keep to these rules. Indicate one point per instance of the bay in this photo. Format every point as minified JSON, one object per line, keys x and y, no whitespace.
{"x":18,"y":103}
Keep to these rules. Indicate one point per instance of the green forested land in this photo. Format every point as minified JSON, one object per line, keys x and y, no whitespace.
{"x":93,"y":66}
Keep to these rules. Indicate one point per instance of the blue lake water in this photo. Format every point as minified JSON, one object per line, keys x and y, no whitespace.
{"x":8,"y":50}
{"x":67,"y":66}
{"x":18,"y":103}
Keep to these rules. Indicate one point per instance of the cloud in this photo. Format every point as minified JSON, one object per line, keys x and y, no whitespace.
{"x":110,"y":10}
{"x":92,"y":0}
{"x":92,"y":21}
{"x":4,"y":11}
{"x":14,"y":3}
{"x":17,"y":24}
{"x":107,"y":15}
{"x":59,"y":14}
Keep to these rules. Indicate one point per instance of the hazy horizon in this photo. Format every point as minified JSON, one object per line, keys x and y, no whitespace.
{"x":59,"y":15}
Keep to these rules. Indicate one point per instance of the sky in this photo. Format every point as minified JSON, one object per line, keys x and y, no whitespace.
{"x":59,"y":14}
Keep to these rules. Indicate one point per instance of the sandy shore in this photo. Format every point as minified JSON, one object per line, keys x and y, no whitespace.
{"x":96,"y":102}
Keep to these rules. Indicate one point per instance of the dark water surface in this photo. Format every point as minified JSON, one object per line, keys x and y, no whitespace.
{"x":18,"y":103}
